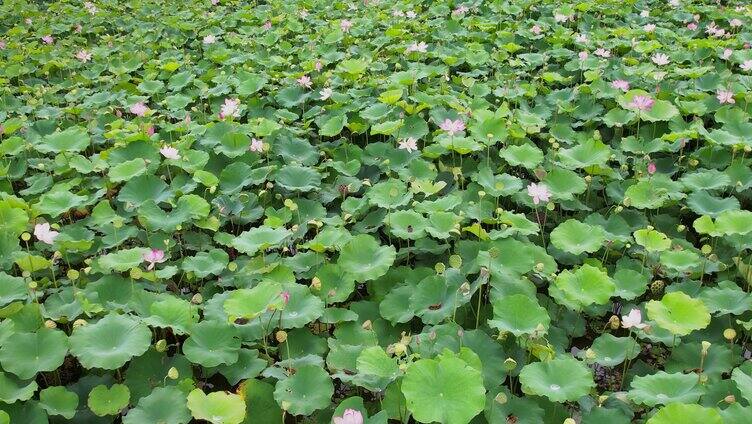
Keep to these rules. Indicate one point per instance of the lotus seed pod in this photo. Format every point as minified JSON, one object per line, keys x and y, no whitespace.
{"x":197,"y":299}
{"x":79,"y":323}
{"x":680,"y":228}
{"x":403,"y":367}
{"x":50,"y":324}
{"x":173,"y":373}
{"x":540,"y":267}
{"x":25,"y":236}
{"x":316,"y":283}
{"x":694,"y":162}
{"x":32,"y":284}
{"x":730,"y":399}
{"x":367,"y":325}
{"x":588,"y":179}
{"x":729,"y":334}
{"x":703,"y":378}
{"x":619,"y":209}
{"x":656,"y":286}
{"x":614,"y":322}
{"x":136,"y":273}
{"x":494,"y":252}
{"x":232,"y":266}
{"x":465,"y":288}
{"x":294,"y":228}
{"x":510,"y":364}
{"x":161,"y":345}
{"x":455,"y":261}
{"x":706,"y":249}
{"x":269,"y":185}
{"x":481,"y":194}
{"x":501,"y":398}
{"x":570,"y":421}
{"x":281,"y":336}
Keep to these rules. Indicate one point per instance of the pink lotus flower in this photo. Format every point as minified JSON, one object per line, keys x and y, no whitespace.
{"x":692,"y":26}
{"x":634,"y":319}
{"x":150,"y":130}
{"x":725,"y":96}
{"x":48,"y":39}
{"x":536,"y":30}
{"x":345,"y":25}
{"x":83,"y":56}
{"x":583,"y":55}
{"x":398,"y":13}
{"x":325,"y":93}
{"x":674,"y":3}
{"x":2,"y":45}
{"x":44,"y":234}
{"x":408,"y":144}
{"x":169,"y":152}
{"x":285,"y":297}
{"x":581,"y":38}
{"x":652,"y":168}
{"x":305,"y":81}
{"x":187,"y":119}
{"x":230,"y":108}
{"x":538,"y":192}
{"x":726,"y":54}
{"x":303,"y":13}
{"x":410,"y":14}
{"x":210,"y":39}
{"x":649,"y":28}
{"x":561,"y":18}
{"x":318,"y":66}
{"x":350,"y":416}
{"x":660,"y":59}
{"x":460,"y":10}
{"x":620,"y":85}
{"x":90,"y":7}
{"x":645,"y":13}
{"x":256,"y":145}
{"x":452,"y":127}
{"x":642,"y":103}
{"x":746,"y":65}
{"x":736,"y":22}
{"x":267,"y":25}
{"x":417,"y":47}
{"x":154,"y":256}
{"x":214,"y":2}
{"x":602,"y":53}
{"x":139,"y":109}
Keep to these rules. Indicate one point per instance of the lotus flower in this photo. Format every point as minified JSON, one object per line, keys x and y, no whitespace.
{"x":256,"y":145}
{"x":460,"y":10}
{"x":411,"y":14}
{"x":285,"y":297}
{"x":210,"y":39}
{"x":736,"y":22}
{"x":139,"y":109}
{"x":214,"y":2}
{"x":725,"y":96}
{"x":90,"y":7}
{"x":2,"y":44}
{"x":649,"y":28}
{"x":642,"y":103}
{"x":83,"y":56}
{"x":581,"y":38}
{"x":318,"y":66}
{"x":169,"y":152}
{"x":726,"y":54}
{"x":536,"y":30}
{"x":408,"y":144}
{"x":602,"y":53}
{"x":558,"y":17}
{"x":230,"y":108}
{"x":634,"y":319}
{"x":153,"y":257}
{"x":645,"y":13}
{"x":660,"y":59}
{"x":583,"y":55}
{"x":692,"y":26}
{"x":350,"y":416}
{"x":345,"y":25}
{"x":538,"y":192}
{"x":48,"y":39}
{"x":325,"y":93}
{"x":44,"y":234}
{"x":398,"y":13}
{"x":747,"y":65}
{"x":305,"y":81}
{"x":452,"y":127}
{"x":652,"y":168}
{"x":620,"y":85}
{"x":417,"y":47}
{"x":267,"y":25}
{"x":303,"y":13}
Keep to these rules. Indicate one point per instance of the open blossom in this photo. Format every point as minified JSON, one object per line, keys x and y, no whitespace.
{"x":746,"y":65}
{"x":139,"y":109}
{"x":452,"y":127}
{"x":581,"y":38}
{"x":210,"y":39}
{"x":725,"y":96}
{"x":47,"y":39}
{"x":536,"y":29}
{"x":285,"y":297}
{"x":660,"y":59}
{"x":90,"y":7}
{"x":417,"y":47}
{"x":649,"y":28}
{"x":408,"y":144}
{"x":539,"y":192}
{"x":303,"y":13}
{"x":642,"y":103}
{"x":398,"y":13}
{"x":736,"y":22}
{"x":214,"y":2}
{"x":318,"y":66}
{"x":634,"y":319}
{"x":602,"y":52}
{"x":2,"y":44}
{"x":83,"y":56}
{"x":267,"y":25}
{"x":692,"y":26}
{"x":153,"y":257}
{"x":726,"y":54}
{"x":652,"y":168}
{"x":460,"y":10}
{"x":674,"y":3}
{"x":256,"y":145}
{"x":325,"y":93}
{"x":558,"y":17}
{"x":583,"y":55}
{"x":411,"y":14}
{"x":305,"y":81}
{"x":345,"y":25}
{"x":350,"y":416}
{"x":230,"y":108}
{"x":44,"y":234}
{"x":620,"y":85}
{"x":169,"y":152}
{"x":645,"y":13}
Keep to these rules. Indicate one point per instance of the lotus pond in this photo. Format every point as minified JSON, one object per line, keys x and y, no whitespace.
{"x":349,"y":212}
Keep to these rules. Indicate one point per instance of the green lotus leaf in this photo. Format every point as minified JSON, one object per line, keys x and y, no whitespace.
{"x":678,"y":313}
{"x":586,"y":286}
{"x":336,"y":285}
{"x":407,"y":224}
{"x":57,"y":202}
{"x":216,"y":407}
{"x":308,"y":390}
{"x":72,"y":139}
{"x":139,"y":190}
{"x":502,"y":404}
{"x":208,"y":263}
{"x":588,"y":153}
{"x":110,"y":342}
{"x":233,"y":144}
{"x":525,"y":155}
{"x":105,"y":400}
{"x":260,"y":403}
{"x":564,"y":184}
{"x":630,"y":283}
{"x":57,"y":400}
{"x":662,"y":110}
{"x":122,"y":260}
{"x":703,"y":203}
{"x":680,"y":260}
{"x":151,"y":408}
{"x":298,"y":178}
{"x":686,"y":414}
{"x":445,"y":390}
{"x":26,"y":354}
{"x":124,"y":171}
{"x":519,"y":314}
{"x":333,"y":126}
{"x":743,"y":381}
{"x":250,"y":303}
{"x":560,"y":380}
{"x":261,"y":238}
{"x":13,"y":220}
{"x":249,"y":365}
{"x":576,"y":237}
{"x":726,"y":298}
{"x":365,"y":259}
{"x":212,"y":343}
{"x":12,"y":389}
{"x":734,"y":222}
{"x":389,"y":194}
{"x":645,"y":195}
{"x":374,"y":361}
{"x":11,"y":289}
{"x":610,"y":350}
{"x":652,"y":240}
{"x":663,"y":388}
{"x":174,"y":313}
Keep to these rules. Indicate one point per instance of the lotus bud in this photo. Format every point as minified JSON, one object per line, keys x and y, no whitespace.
{"x":281,"y":336}
{"x":294,"y":228}
{"x":501,"y":398}
{"x":556,"y":146}
{"x":316,"y":283}
{"x":161,"y":345}
{"x":705,"y":347}
{"x":455,"y":261}
{"x":50,"y":324}
{"x":570,"y":421}
{"x":656,"y":286}
{"x":25,"y":236}
{"x":730,"y":399}
{"x":619,"y":209}
{"x":680,"y":228}
{"x":79,"y":323}
{"x":173,"y":373}
{"x":729,"y":334}
{"x":694,"y":162}
{"x":588,"y":179}
{"x":367,"y":325}
{"x":703,"y":378}
{"x":197,"y":299}
{"x":439,"y":267}
{"x":614,"y":322}
{"x":748,"y":149}
{"x":550,"y":206}
{"x":269,"y":185}
{"x":510,"y":364}
{"x":432,"y":335}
